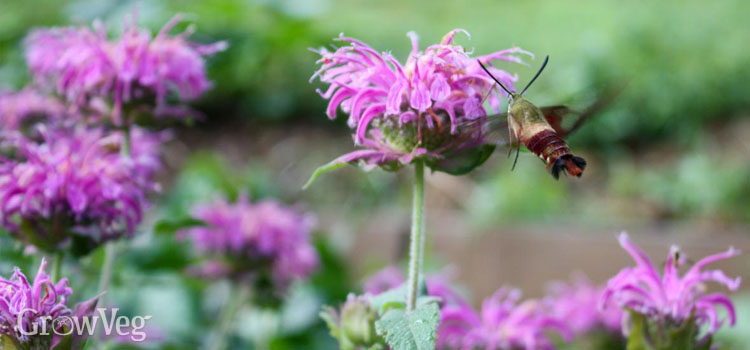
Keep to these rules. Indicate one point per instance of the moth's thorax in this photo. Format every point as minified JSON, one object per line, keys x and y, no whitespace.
{"x":526,"y":118}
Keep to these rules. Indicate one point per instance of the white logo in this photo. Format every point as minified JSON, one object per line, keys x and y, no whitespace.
{"x":65,"y":325}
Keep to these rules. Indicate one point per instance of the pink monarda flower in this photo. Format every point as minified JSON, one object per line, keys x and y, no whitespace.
{"x":259,"y":241}
{"x":577,"y":302}
{"x":671,"y":299}
{"x":503,"y":324}
{"x":19,"y":108}
{"x":418,"y":109}
{"x":76,"y":185}
{"x":31,"y":305}
{"x":84,"y":66}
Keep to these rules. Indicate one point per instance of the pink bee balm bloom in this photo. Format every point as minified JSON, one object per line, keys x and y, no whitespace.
{"x":577,"y":302}
{"x":416,"y":109}
{"x":83,"y":65}
{"x":76,"y":185}
{"x":670,"y":298}
{"x":33,"y":306}
{"x":20,"y":107}
{"x":254,"y":240}
{"x":503,"y":324}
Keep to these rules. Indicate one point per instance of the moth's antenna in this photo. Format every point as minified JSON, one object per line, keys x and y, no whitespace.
{"x":493,"y":78}
{"x":537,"y":74}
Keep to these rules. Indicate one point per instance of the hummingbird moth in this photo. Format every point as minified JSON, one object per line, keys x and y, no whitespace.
{"x":539,"y":129}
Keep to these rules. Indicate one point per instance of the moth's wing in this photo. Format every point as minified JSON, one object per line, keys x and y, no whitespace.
{"x":565,"y":119}
{"x":561,"y":118}
{"x":494,"y":129}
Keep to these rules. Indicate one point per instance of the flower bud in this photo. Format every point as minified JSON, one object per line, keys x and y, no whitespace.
{"x":354,"y":326}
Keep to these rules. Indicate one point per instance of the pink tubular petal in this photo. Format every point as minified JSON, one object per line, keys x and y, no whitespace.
{"x":336,"y":100}
{"x":731,"y":252}
{"x":723,"y":300}
{"x":420,"y":97}
{"x":395,"y":97}
{"x":369,"y":95}
{"x":367,"y":116}
{"x":439,"y":89}
{"x":414,"y":43}
{"x":448,"y":38}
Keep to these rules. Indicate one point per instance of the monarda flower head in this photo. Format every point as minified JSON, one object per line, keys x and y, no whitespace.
{"x":76,"y":189}
{"x":264,"y":242}
{"x":21,"y":112}
{"x":136,"y":69}
{"x":34,"y":315}
{"x":419,"y":109}
{"x":577,"y":302}
{"x":503,"y":324}
{"x":20,"y":109}
{"x":670,"y":309}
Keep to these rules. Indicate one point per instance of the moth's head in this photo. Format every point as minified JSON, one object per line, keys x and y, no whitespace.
{"x":512,"y":95}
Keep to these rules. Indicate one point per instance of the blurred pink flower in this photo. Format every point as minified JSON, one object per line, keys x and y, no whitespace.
{"x":670,"y":298}
{"x":503,"y":324}
{"x":76,"y":181}
{"x":19,"y":107}
{"x":83,"y":65}
{"x":399,"y":112}
{"x":577,"y":302}
{"x":254,"y":239}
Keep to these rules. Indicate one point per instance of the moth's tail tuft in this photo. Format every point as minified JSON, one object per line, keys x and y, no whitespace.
{"x":568,"y":163}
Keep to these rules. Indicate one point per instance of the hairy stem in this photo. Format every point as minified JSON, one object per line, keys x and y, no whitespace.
{"x":416,"y":242}
{"x":235,"y":301}
{"x":110,"y":248}
{"x":105,"y":277}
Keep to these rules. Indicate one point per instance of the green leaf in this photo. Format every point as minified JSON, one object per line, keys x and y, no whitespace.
{"x":66,"y":343}
{"x":329,"y":317}
{"x":8,"y":343}
{"x":682,"y":337}
{"x":415,"y":330}
{"x":168,"y":227}
{"x":463,"y":162}
{"x":331,"y":166}
{"x":396,"y":297}
{"x":637,"y":336}
{"x":393,"y":298}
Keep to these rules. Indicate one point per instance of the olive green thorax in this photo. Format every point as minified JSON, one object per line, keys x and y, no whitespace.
{"x":524,"y":118}
{"x":522,"y":112}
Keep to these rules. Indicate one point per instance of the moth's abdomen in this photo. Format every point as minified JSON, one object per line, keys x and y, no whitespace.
{"x":554,"y":151}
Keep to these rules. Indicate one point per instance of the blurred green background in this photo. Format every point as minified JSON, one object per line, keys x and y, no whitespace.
{"x":669,"y":157}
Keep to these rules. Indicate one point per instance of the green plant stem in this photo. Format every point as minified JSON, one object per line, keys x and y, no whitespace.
{"x":57,"y":265}
{"x":125,"y":149}
{"x":235,"y":301}
{"x":416,"y":241}
{"x":110,"y":254}
{"x":110,"y":248}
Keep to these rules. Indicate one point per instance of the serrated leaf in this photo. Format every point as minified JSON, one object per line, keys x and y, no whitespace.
{"x":168,"y":227}
{"x":396,"y":297}
{"x":393,"y":298}
{"x":415,"y":330}
{"x":463,"y":162}
{"x":328,"y":167}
